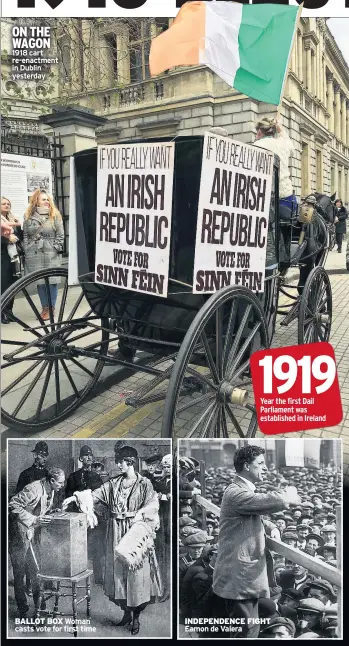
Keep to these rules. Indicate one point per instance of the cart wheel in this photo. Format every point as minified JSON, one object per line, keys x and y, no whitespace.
{"x":45,"y":375}
{"x":209,"y":392}
{"x":315,"y":310}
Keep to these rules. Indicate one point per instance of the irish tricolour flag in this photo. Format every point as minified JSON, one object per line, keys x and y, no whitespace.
{"x":246,"y":45}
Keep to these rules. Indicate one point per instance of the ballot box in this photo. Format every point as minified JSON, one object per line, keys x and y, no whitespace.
{"x":64,"y":545}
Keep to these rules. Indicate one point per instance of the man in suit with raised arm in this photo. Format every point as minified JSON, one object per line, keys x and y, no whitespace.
{"x":240,"y":574}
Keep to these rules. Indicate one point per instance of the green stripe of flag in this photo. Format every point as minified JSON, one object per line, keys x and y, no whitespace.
{"x":265,"y":39}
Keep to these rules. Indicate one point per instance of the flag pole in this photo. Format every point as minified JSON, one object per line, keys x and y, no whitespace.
{"x":299,"y":13}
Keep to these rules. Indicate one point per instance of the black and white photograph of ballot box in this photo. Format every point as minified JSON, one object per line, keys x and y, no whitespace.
{"x":89,"y":538}
{"x":259,"y":539}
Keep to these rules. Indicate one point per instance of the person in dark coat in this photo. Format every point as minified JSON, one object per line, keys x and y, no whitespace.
{"x":38,"y":470}
{"x":80,"y":480}
{"x":8,"y":276}
{"x":194,"y":544}
{"x":186,"y":599}
{"x":202,"y":596}
{"x":340,"y":222}
{"x":84,"y":478}
{"x":162,"y":484}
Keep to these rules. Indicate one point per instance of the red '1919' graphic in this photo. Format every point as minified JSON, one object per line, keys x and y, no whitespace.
{"x":296,"y":388}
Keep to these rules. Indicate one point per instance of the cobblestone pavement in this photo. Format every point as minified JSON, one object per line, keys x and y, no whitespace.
{"x":106,"y":415}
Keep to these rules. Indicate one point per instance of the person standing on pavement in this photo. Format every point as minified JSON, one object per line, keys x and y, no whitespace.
{"x":10,"y":232}
{"x":38,"y":469}
{"x":80,"y":480}
{"x":340,"y":223}
{"x":43,"y":238}
{"x":27,"y":514}
{"x":240,"y":576}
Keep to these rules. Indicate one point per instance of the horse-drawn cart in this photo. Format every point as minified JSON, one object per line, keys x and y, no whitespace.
{"x":192,"y":347}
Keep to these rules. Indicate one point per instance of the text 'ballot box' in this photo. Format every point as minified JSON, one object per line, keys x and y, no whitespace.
{"x":64,"y":545}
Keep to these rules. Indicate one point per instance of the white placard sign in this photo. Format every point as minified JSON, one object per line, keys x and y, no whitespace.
{"x":20,"y":176}
{"x":233,"y":214}
{"x":134,"y":209}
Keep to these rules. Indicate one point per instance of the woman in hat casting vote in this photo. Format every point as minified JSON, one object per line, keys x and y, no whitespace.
{"x":132,"y":577}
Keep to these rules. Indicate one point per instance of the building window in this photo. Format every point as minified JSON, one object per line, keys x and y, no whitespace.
{"x":333,"y":180}
{"x":112,"y":54}
{"x":339,"y":186}
{"x":140,"y":39}
{"x":319,"y":171}
{"x":305,"y":169}
{"x":64,"y":46}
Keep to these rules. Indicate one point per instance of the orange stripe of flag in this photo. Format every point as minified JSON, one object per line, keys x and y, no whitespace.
{"x":180,"y":44}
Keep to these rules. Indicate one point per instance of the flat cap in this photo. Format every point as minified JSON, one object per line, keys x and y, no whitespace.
{"x":289,"y":535}
{"x":321,"y":584}
{"x":198,"y":538}
{"x":292,"y":593}
{"x":188,"y":530}
{"x":328,"y":528}
{"x":311,"y":605}
{"x":280,"y":621}
{"x":185,"y":520}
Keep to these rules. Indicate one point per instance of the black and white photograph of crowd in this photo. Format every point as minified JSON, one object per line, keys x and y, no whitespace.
{"x":259,"y":531}
{"x":89,"y":538}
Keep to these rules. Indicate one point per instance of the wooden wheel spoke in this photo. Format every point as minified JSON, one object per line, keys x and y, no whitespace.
{"x":20,"y":378}
{"x":319,"y":331}
{"x":234,"y":421}
{"x":70,"y":379}
{"x":219,"y":342}
{"x":80,"y":365}
{"x":244,"y":348}
{"x":241,"y":370}
{"x":58,"y":388}
{"x":202,"y":378}
{"x":194,"y":401}
{"x":209,"y":428}
{"x":44,"y":391}
{"x":30,"y":390}
{"x":34,"y":309}
{"x":49,"y":300}
{"x":230,"y":328}
{"x":237,"y":339}
{"x":308,"y":333}
{"x":225,"y":432}
{"x":209,"y":357}
{"x":322,"y":294}
{"x":16,"y":319}
{"x":76,"y":306}
{"x":207,"y":410}
{"x":37,"y":356}
{"x":218,"y":423}
{"x":63,"y":302}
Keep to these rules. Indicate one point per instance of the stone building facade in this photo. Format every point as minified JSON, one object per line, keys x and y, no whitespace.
{"x":186,"y":101}
{"x":104,"y":68}
{"x":23,"y":102}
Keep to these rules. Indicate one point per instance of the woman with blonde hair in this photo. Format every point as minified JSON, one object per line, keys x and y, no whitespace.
{"x":43,"y":238}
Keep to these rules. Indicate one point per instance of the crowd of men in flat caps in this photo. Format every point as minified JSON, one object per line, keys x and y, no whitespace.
{"x":42,"y":488}
{"x":225,"y":569}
